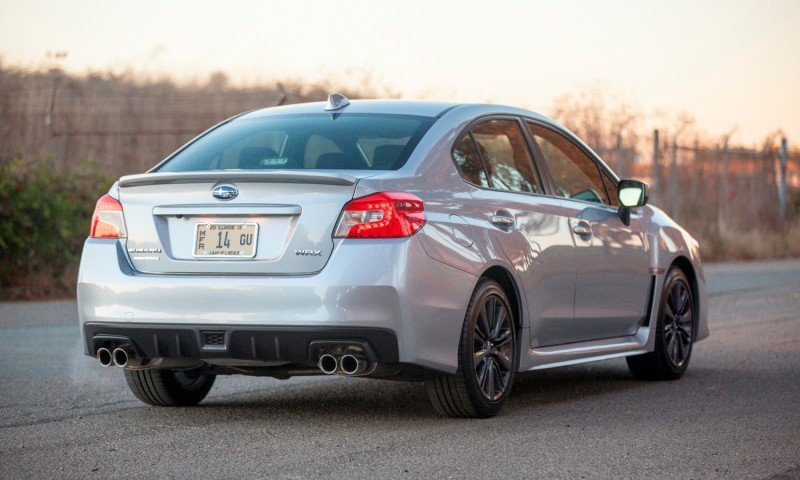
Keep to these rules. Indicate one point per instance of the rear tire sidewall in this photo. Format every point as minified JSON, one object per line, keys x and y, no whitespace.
{"x":483,"y":405}
{"x":169,"y":388}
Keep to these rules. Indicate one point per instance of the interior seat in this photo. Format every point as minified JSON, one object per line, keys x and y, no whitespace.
{"x":250,"y":158}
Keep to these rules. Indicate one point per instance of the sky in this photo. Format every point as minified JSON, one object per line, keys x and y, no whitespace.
{"x":728,"y":63}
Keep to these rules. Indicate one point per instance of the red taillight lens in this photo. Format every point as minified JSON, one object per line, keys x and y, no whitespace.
{"x":381,"y":215}
{"x":108,"y":221}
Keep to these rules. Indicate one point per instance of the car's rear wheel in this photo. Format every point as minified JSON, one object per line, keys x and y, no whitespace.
{"x":674,"y":332}
{"x":169,"y":388}
{"x":487,"y":358}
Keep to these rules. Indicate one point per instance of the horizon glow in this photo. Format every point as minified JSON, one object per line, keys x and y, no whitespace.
{"x":726,"y":63}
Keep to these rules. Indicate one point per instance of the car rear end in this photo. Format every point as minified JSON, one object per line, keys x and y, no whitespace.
{"x":249,"y":251}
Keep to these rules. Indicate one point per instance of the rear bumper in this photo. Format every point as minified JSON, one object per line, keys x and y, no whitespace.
{"x":295,"y":345}
{"x":388,"y":286}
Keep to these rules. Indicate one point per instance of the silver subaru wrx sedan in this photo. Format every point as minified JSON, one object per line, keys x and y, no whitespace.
{"x":455,"y":244}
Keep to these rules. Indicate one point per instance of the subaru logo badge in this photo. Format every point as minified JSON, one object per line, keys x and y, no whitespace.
{"x":225,"y":192}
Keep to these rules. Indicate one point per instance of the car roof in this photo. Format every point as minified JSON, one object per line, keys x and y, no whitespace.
{"x":423,"y":108}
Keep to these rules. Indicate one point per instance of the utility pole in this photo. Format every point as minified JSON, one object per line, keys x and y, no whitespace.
{"x":782,"y":180}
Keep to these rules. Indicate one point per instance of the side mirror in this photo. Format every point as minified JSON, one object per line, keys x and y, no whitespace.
{"x":631,"y":194}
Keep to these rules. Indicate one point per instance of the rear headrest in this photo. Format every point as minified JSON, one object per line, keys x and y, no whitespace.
{"x":386,"y":156}
{"x":250,"y":158}
{"x":340,"y":161}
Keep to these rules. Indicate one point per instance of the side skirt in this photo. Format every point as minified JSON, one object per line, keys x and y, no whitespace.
{"x":582,"y":352}
{"x":595,"y":350}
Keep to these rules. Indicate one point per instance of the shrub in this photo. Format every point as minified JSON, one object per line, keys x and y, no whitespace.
{"x":44,"y":219}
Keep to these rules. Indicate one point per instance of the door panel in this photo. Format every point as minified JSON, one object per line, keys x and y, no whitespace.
{"x":530,"y":228}
{"x":613,"y":280}
{"x":539,"y":246}
{"x":612,"y":283}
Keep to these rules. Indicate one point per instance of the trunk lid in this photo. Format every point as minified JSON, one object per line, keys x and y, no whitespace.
{"x":294,"y":215}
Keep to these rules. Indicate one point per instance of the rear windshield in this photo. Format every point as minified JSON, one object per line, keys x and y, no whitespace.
{"x":305,"y":142}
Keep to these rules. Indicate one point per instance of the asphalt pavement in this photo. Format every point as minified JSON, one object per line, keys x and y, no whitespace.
{"x":735,"y":414}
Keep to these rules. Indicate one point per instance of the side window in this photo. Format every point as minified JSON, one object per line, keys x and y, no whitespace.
{"x":575,"y":174}
{"x":469,"y":162}
{"x":611,"y":188}
{"x":508,"y":160}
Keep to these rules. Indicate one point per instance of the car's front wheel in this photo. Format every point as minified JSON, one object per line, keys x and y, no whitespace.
{"x":169,"y":388}
{"x":674,"y":332}
{"x":487,"y":357}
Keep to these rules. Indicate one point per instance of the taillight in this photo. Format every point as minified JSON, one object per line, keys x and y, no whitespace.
{"x":381,"y":215}
{"x":108,"y":221}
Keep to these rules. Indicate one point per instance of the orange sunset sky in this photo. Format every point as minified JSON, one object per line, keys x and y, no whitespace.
{"x":725,"y":62}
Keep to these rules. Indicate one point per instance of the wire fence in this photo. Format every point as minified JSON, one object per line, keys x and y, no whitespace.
{"x":716,"y":186}
{"x":712,"y":188}
{"x":124,"y":124}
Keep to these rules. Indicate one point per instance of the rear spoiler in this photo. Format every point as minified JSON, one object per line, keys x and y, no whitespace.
{"x":241,"y":176}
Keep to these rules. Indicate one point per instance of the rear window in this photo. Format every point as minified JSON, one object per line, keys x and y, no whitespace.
{"x":305,"y":142}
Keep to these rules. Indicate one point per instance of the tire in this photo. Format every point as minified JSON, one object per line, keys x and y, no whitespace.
{"x":674,"y":332}
{"x":169,"y":388}
{"x":467,"y":394}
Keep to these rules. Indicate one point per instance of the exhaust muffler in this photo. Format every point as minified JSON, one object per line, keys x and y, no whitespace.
{"x":104,"y":357}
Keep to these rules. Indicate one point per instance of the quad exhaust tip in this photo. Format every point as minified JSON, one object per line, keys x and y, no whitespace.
{"x":104,"y":357}
{"x":352,"y":365}
{"x":120,"y":356}
{"x":328,"y":364}
{"x":348,"y":364}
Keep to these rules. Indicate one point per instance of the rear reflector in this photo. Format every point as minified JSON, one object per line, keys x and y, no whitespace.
{"x":381,"y":215}
{"x":108,"y":220}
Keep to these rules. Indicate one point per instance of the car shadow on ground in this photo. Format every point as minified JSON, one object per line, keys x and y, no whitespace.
{"x":353,"y":400}
{"x":569,"y":384}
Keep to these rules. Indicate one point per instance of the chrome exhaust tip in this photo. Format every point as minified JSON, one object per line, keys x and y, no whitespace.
{"x":353,"y":365}
{"x":120,"y":356}
{"x":104,"y":357}
{"x":328,"y":364}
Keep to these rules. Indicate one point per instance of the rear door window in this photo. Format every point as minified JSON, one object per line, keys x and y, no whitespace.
{"x":469,"y":162}
{"x":502,"y":146}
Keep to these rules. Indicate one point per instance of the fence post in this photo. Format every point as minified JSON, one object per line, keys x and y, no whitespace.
{"x":724,"y":184}
{"x":697,"y":173}
{"x":782,"y":180}
{"x":618,"y":154}
{"x":654,"y":179}
{"x":673,"y":179}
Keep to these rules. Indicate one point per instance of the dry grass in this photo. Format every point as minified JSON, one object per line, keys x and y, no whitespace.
{"x":754,"y":244}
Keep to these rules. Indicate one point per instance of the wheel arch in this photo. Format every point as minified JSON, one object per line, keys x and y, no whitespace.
{"x":506,"y":280}
{"x":683,"y":262}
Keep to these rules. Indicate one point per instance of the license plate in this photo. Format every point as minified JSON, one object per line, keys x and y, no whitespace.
{"x":236,"y":240}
